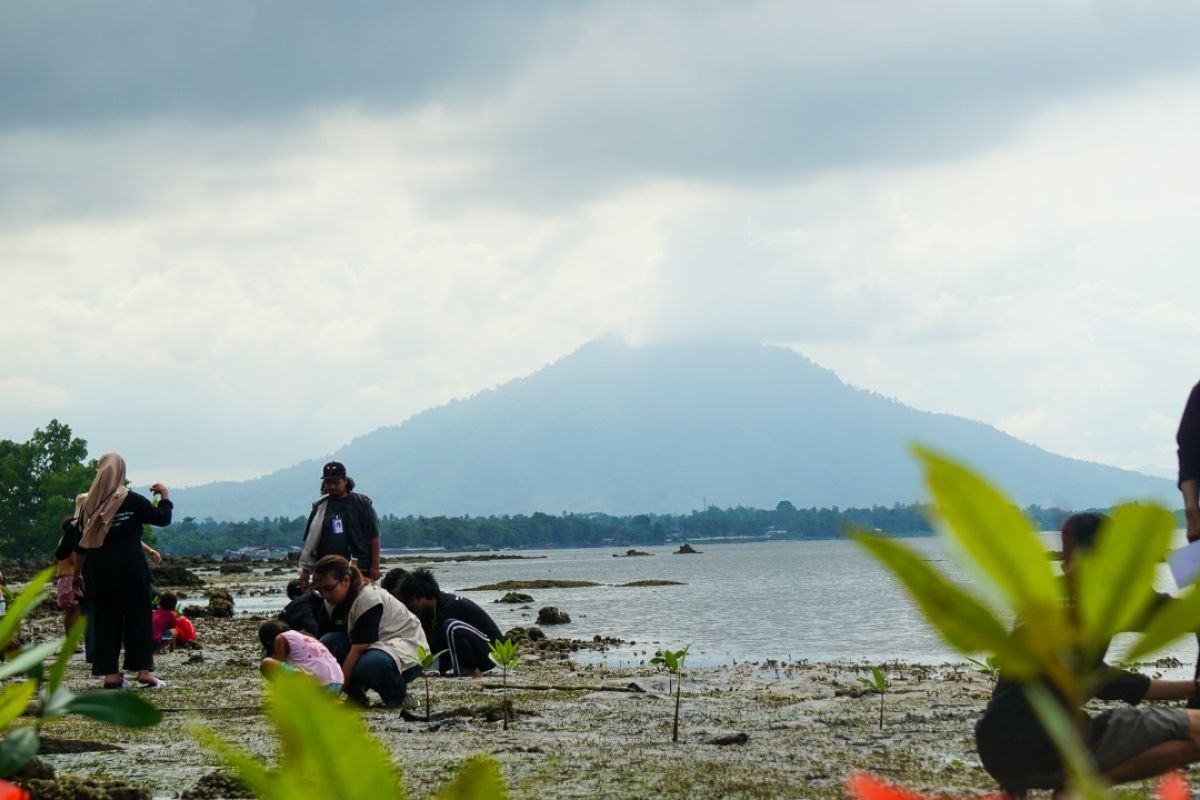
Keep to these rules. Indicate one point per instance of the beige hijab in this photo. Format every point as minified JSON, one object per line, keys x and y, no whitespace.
{"x":103,"y":499}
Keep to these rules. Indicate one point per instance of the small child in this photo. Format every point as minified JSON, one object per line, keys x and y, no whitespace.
{"x":284,"y":648}
{"x":162,"y":623}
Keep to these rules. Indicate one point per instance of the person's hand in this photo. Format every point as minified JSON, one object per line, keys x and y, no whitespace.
{"x":304,"y":580}
{"x":1193,"y":524}
{"x":161,"y":491}
{"x":155,"y":556}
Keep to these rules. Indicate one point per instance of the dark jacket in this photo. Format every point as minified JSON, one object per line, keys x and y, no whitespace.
{"x":1188,"y":438}
{"x":361,"y":527}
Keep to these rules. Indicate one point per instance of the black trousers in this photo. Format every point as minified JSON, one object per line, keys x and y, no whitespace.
{"x":121,"y":614}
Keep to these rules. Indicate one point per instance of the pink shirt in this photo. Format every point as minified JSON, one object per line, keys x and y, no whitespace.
{"x":309,"y":655}
{"x":161,"y":621}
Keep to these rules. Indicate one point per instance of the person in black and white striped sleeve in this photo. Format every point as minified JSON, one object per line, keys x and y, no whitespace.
{"x":452,"y":623}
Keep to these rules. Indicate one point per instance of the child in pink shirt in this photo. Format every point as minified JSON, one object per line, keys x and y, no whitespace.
{"x":285,"y":648}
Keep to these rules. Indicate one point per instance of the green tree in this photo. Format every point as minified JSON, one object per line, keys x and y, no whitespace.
{"x":38,"y":483}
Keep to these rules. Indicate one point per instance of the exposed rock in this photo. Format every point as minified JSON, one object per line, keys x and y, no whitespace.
{"x":236,"y":568}
{"x":652,"y":582}
{"x":726,"y":738}
{"x":550,"y":615}
{"x":515,"y":597}
{"x":217,"y":786}
{"x":173,"y":575}
{"x":686,"y":549}
{"x":220,"y":603}
{"x":195,"y":612}
{"x":523,"y":634}
{"x":505,"y":586}
{"x":632,"y":553}
{"x":70,"y":787}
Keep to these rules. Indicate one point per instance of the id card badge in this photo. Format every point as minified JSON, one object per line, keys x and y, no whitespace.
{"x":337,"y":525}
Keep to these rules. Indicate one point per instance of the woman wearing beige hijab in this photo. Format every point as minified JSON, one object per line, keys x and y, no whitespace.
{"x":118,"y":577}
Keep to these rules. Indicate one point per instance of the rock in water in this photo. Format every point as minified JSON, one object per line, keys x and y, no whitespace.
{"x":550,"y":615}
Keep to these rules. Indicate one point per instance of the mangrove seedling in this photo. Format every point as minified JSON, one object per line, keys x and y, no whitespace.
{"x":504,"y":655}
{"x":877,"y":683}
{"x":673,"y":661}
{"x":427,"y":660}
{"x":989,"y":666}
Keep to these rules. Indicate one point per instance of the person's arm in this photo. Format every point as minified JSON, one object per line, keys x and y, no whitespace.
{"x":1188,"y":439}
{"x":356,"y":651}
{"x":282,"y":651}
{"x":374,"y":572}
{"x":155,"y":556}
{"x":157,"y":515}
{"x":1172,"y":690}
{"x":1191,"y":507}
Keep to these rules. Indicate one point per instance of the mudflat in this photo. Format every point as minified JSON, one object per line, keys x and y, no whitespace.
{"x":753,"y":730}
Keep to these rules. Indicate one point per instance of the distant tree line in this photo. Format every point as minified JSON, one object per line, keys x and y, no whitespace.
{"x":189,"y":536}
{"x":40,"y":478}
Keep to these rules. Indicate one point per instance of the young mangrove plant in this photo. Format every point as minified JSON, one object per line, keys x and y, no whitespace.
{"x":1064,"y":633}
{"x":427,"y":660}
{"x":42,"y":695}
{"x":504,"y":655}
{"x":989,"y":667}
{"x":877,"y":683}
{"x":326,"y":750}
{"x":673,"y":660}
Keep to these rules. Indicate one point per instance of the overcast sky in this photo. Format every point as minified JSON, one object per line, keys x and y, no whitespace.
{"x":235,"y":236}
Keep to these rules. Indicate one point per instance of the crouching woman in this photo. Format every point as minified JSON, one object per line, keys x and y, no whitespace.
{"x":369,"y":632}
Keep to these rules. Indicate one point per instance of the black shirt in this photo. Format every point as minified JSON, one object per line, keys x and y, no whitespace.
{"x":119,"y":561}
{"x":335,"y":536}
{"x":1188,"y":438}
{"x":452,"y":606}
{"x":301,"y":614}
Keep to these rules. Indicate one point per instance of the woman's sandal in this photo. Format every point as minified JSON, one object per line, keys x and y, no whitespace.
{"x":124,"y":684}
{"x":157,"y":683}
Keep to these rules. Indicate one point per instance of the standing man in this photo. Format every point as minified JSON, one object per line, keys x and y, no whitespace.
{"x":1188,"y":439}
{"x":342,"y":523}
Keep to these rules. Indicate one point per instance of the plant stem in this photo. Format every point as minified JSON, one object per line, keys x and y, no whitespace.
{"x":675,"y":727}
{"x":881,"y":711}
{"x":426,"y":698}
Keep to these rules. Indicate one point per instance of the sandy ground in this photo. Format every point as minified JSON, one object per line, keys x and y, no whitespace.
{"x":806,"y":726}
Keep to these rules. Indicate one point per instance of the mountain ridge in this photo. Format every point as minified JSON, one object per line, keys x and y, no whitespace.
{"x":623,"y":429}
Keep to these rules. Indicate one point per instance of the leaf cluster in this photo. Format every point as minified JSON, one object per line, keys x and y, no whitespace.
{"x":327,"y":751}
{"x":1064,"y":627}
{"x":54,"y":699}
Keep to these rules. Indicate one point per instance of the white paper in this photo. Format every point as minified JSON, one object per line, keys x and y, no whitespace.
{"x":1185,"y":564}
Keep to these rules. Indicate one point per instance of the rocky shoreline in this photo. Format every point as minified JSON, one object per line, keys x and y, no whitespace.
{"x":767,"y":730}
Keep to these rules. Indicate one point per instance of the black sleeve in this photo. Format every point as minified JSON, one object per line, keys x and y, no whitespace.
{"x":71,"y":534}
{"x":370,"y":519}
{"x":150,"y":514}
{"x":301,"y":614}
{"x":468,"y":611}
{"x":1129,"y":687}
{"x":1188,"y":438}
{"x":366,"y":627}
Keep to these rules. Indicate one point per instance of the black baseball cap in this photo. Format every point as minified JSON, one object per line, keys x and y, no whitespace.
{"x":334,"y":469}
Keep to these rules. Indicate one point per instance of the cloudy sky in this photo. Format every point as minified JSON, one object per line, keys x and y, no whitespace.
{"x":236,"y":236}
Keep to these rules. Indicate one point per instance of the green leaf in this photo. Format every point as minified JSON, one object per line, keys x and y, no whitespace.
{"x":15,"y":700}
{"x":992,"y":531}
{"x":503,"y":654}
{"x":1061,"y":729}
{"x":251,"y":772}
{"x":295,"y":703}
{"x":427,"y":659}
{"x":29,"y":599}
{"x":54,"y":704}
{"x":1173,"y":619}
{"x":1114,"y":580}
{"x":116,"y":708}
{"x":963,"y":621}
{"x":478,"y":779}
{"x":29,"y":659}
{"x":59,"y":669}
{"x":17,"y":750}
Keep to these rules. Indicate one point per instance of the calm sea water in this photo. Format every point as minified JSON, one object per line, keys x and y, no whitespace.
{"x":816,"y":600}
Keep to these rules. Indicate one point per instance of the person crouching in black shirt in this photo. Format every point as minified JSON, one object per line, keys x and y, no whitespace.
{"x":452,"y":623}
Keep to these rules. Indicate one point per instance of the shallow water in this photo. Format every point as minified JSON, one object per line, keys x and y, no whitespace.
{"x":815,"y":600}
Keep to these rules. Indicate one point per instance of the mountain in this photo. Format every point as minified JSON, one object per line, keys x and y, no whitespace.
{"x":625,"y":429}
